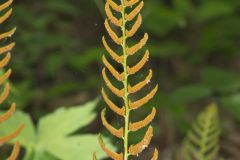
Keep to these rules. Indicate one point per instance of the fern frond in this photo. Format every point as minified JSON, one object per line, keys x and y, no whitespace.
{"x":5,"y":60}
{"x":5,"y":76}
{"x":115,"y":108}
{"x":130,"y":3}
{"x":4,"y":17}
{"x":144,"y":100}
{"x":8,"y":34}
{"x":140,"y":85}
{"x":5,"y":93}
{"x":112,"y":70}
{"x":135,"y":27}
{"x":115,"y":8}
{"x":138,"y":125}
{"x":112,"y":34}
{"x":15,"y":152}
{"x":116,"y":132}
{"x":132,"y":50}
{"x":6,"y":90}
{"x":111,"y":17}
{"x":116,"y":91}
{"x":11,"y":135}
{"x":139,"y":65}
{"x":7,"y":48}
{"x":113,"y":54}
{"x":202,"y":142}
{"x":8,"y":114}
{"x":5,"y":5}
{"x":139,"y":147}
{"x":111,"y":154}
{"x":155,"y":155}
{"x":134,"y":12}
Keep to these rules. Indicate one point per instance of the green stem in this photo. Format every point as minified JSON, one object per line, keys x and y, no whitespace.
{"x":125,"y":83}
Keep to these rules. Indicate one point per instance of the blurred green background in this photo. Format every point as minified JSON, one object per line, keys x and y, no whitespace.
{"x":195,"y":56}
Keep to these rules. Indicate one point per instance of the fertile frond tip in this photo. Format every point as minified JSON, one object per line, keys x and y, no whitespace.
{"x":212,"y":108}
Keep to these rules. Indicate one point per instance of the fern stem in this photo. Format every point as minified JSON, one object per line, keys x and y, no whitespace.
{"x":125,"y":83}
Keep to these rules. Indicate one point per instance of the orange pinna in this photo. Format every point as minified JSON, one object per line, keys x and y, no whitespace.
{"x":129,"y":22}
{"x":3,"y":79}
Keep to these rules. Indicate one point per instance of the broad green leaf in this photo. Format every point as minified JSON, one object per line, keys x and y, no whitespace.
{"x":211,"y":33}
{"x":160,"y":19}
{"x":62,"y":88}
{"x":62,"y":7}
{"x":184,"y":6}
{"x":232,"y":103}
{"x":53,"y":141}
{"x":42,"y":155}
{"x":77,"y":147}
{"x":190,"y":93}
{"x":53,"y":63}
{"x":27,"y":137}
{"x":83,"y":60}
{"x":221,"y":80}
{"x":168,"y":49}
{"x":65,"y":121}
{"x":211,"y":9}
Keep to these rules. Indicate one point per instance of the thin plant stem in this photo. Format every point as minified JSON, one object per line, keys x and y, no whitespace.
{"x":125,"y":83}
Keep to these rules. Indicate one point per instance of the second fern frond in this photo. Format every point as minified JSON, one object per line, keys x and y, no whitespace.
{"x":202,"y":142}
{"x":118,"y":15}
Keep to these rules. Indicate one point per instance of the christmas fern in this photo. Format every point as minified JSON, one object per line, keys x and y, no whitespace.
{"x":125,"y":15}
{"x":202,"y":142}
{"x":4,"y":95}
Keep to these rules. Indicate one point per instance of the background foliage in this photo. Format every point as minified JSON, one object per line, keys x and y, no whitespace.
{"x":195,"y":47}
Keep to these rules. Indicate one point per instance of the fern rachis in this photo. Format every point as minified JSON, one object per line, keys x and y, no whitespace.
{"x":113,"y":8}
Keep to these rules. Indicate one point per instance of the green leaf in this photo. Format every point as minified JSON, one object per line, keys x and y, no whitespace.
{"x":54,"y":140}
{"x":83,"y":60}
{"x":75,"y":147}
{"x":27,"y":137}
{"x":160,"y":19}
{"x":190,"y":93}
{"x":41,"y":155}
{"x":65,"y":121}
{"x":184,"y":7}
{"x":221,"y":80}
{"x":211,"y":9}
{"x":211,"y":33}
{"x":55,"y":130}
{"x":54,"y":63}
{"x":232,"y":103}
{"x":62,"y":7}
{"x":168,"y":49}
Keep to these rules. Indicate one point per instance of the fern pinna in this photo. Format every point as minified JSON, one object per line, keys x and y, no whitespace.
{"x":122,"y":14}
{"x":202,"y":142}
{"x":3,"y":80}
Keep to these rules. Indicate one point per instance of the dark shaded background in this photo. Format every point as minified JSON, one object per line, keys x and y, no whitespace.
{"x":195,"y":55}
